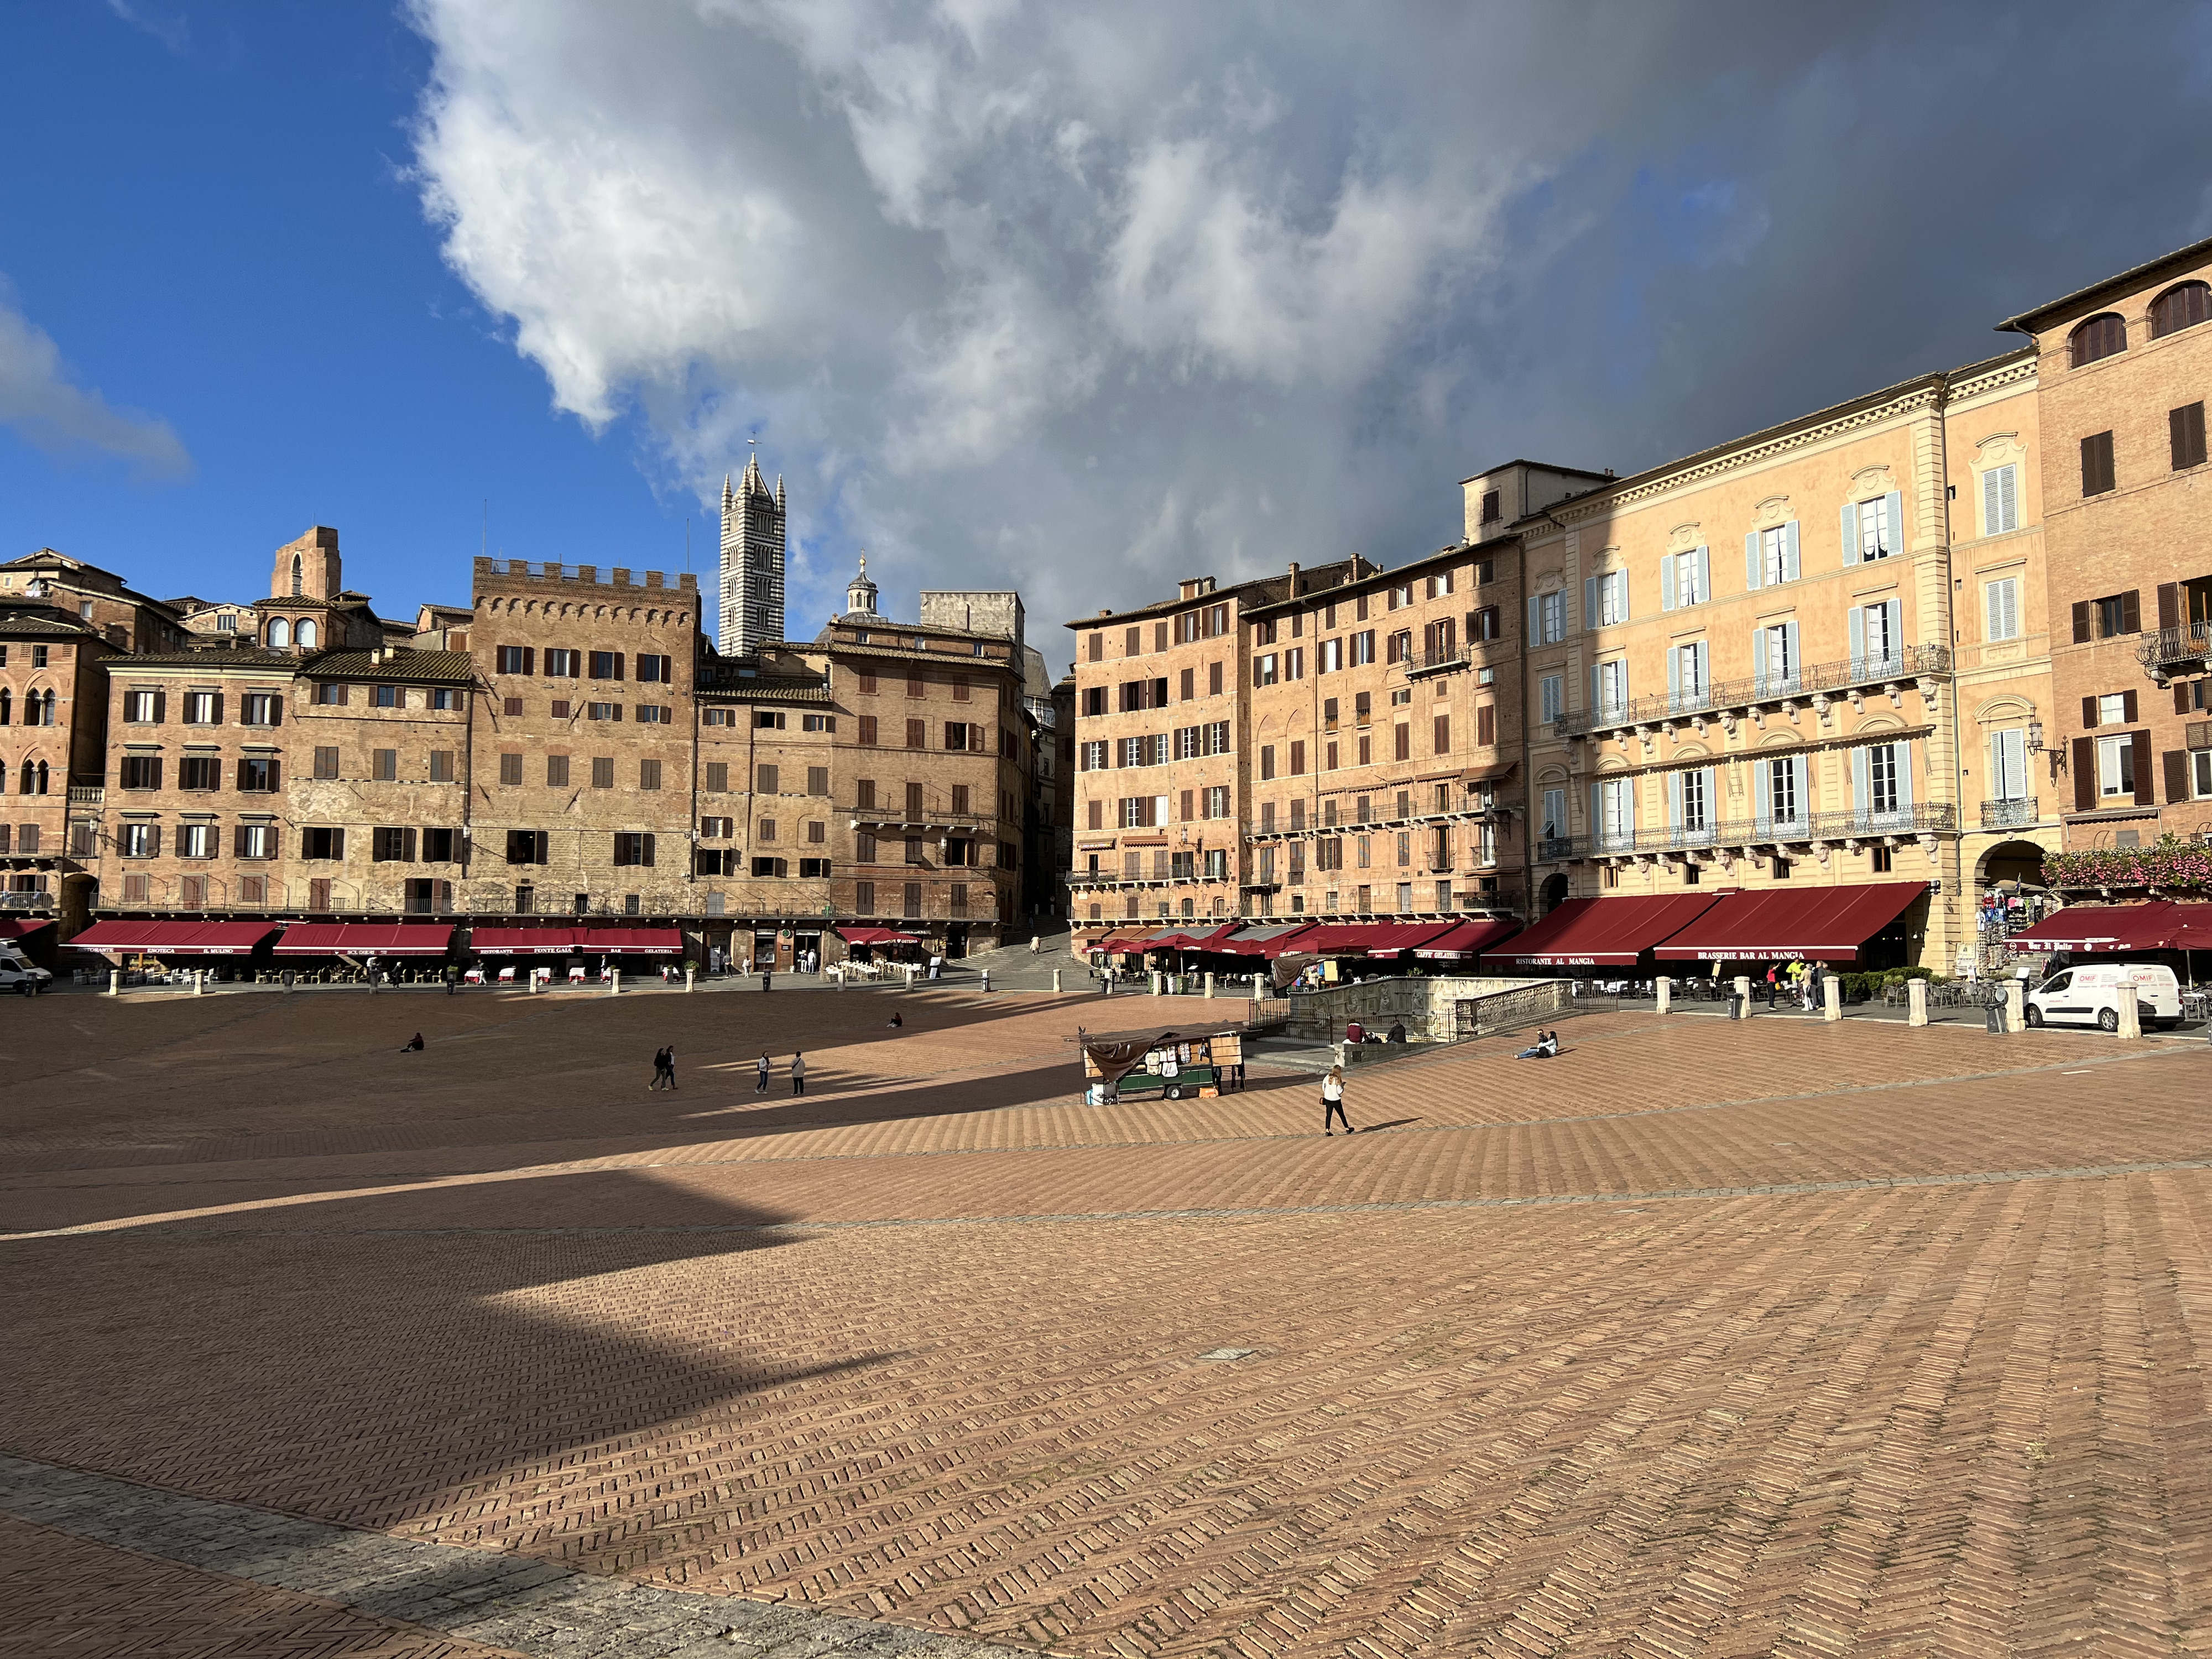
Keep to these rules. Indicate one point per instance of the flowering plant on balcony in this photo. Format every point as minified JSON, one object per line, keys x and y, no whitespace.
{"x":2172,"y":864}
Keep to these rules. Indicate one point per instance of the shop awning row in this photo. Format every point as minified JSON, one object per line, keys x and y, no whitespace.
{"x":364,"y":938}
{"x":1811,"y":924}
{"x":176,"y":939}
{"x":2100,"y":929}
{"x":1823,"y":924}
{"x":1467,"y":939}
{"x":876,"y":936}
{"x":22,"y":927}
{"x":564,"y":941}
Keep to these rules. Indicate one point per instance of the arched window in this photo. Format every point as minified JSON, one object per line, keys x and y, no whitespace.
{"x":280,"y":633}
{"x":299,"y":577}
{"x":2183,"y":306}
{"x":29,"y":775}
{"x":40,"y":778}
{"x":2105,"y":336}
{"x":306,"y":635}
{"x":49,"y":719}
{"x":7,"y":698}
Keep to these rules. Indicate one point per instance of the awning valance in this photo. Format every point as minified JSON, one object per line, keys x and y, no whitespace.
{"x":175,"y":938}
{"x":1821,"y":924}
{"x":1265,"y":941}
{"x":1603,"y":932}
{"x":2097,"y":928}
{"x":1467,"y":938}
{"x":876,"y":936}
{"x":365,"y":938}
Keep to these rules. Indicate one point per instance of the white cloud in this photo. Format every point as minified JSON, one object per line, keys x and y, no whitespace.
{"x":1089,"y":298}
{"x":46,"y":408}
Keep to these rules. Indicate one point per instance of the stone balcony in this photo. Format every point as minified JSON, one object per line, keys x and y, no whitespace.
{"x":1821,"y":832}
{"x":1816,"y":686}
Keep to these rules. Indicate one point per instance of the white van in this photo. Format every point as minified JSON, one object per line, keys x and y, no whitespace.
{"x":2089,"y":995}
{"x":18,"y":973}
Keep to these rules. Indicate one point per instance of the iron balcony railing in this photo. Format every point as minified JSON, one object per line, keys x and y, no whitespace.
{"x":1817,"y":679}
{"x":1927,"y":819}
{"x":2171,"y":649}
{"x":2008,"y":814}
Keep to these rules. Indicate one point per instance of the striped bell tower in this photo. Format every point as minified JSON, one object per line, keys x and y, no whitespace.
{"x":749,"y":611}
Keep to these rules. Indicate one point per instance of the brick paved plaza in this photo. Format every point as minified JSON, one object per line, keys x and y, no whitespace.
{"x":1706,"y":1338}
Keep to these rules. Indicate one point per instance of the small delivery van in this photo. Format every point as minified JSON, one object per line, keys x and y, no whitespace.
{"x":19,"y":973}
{"x":2089,"y":995}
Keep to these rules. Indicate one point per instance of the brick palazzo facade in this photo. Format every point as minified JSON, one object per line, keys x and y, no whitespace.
{"x":568,"y":745}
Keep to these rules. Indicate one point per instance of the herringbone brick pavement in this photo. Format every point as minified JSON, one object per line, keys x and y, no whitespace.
{"x":1705,"y":1339}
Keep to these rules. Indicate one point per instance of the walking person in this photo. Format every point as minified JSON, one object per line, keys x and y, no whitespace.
{"x":798,"y":1074}
{"x":668,"y":1065}
{"x":1331,"y":1101}
{"x":659,"y":1065}
{"x":761,"y":1087}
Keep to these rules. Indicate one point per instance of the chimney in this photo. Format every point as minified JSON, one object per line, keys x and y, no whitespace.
{"x":1294,"y":578}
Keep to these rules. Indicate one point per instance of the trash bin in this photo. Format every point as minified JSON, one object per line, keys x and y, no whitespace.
{"x":1996,"y":1019}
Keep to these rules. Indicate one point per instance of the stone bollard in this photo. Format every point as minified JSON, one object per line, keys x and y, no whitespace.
{"x":1055,"y":980}
{"x":987,"y":981}
{"x":1743,"y":995}
{"x":1209,"y":988}
{"x":1831,"y":998}
{"x":115,"y":982}
{"x":1666,"y":988}
{"x":614,"y":981}
{"x":910,"y":976}
{"x":534,"y":981}
{"x":2130,"y":1012}
{"x":2016,"y":1006}
{"x":200,"y":981}
{"x":1155,"y":981}
{"x":691,"y":979}
{"x":1915,"y":1002}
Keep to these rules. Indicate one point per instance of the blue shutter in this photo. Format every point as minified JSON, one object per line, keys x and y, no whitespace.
{"x":1896,"y":630}
{"x":1802,"y":774}
{"x":1762,"y":792}
{"x":1667,"y":582}
{"x":1751,"y":560}
{"x":1789,"y":565}
{"x":1673,"y":675}
{"x":1758,"y":658}
{"x":1992,"y":512}
{"x":1674,"y":800}
{"x":1530,"y":638}
{"x":1858,"y":639}
{"x":1704,"y":670}
{"x":1589,"y":601}
{"x":1790,"y":647}
{"x":1905,"y":777}
{"x":1622,"y":579}
{"x":1892,"y":522}
{"x":1704,"y":572}
{"x":1712,"y":795}
{"x":1861,"y":785}
{"x":1850,"y":532}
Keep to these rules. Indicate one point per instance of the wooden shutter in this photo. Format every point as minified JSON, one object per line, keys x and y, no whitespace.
{"x":2180,"y":697}
{"x":2142,"y":762}
{"x":2177,"y":776}
{"x":2080,"y":621}
{"x":2128,"y":708}
{"x":2088,"y":714}
{"x":2130,"y":612}
{"x":2169,"y":604}
{"x":2085,"y":774}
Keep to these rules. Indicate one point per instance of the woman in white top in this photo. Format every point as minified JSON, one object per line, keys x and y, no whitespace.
{"x":1331,"y":1101}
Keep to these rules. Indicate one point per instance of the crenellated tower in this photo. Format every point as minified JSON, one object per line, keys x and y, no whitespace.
{"x":750,"y":610}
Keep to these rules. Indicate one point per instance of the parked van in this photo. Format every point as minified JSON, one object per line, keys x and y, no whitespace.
{"x":2089,"y":995}
{"x":18,"y":973}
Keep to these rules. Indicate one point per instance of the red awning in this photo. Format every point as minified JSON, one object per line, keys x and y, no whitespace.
{"x":2103,"y":928}
{"x":1123,"y":944}
{"x":1406,"y":936}
{"x":630,"y":941}
{"x":22,"y":927}
{"x":176,"y":939}
{"x":1268,"y":941}
{"x":1821,"y":924}
{"x":1467,"y":938}
{"x":876,"y":936}
{"x":365,"y":938}
{"x":2192,"y":926}
{"x":522,"y":941}
{"x":1604,"y":933}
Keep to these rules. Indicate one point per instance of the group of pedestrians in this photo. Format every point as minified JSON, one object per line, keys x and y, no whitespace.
{"x":798,"y":1074}
{"x":1802,"y":980}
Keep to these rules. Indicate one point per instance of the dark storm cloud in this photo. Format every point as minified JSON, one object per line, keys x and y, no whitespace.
{"x":1084,"y":301}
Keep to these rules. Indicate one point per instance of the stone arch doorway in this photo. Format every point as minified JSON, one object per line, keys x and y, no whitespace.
{"x":2010,"y":860}
{"x":1552,"y":894}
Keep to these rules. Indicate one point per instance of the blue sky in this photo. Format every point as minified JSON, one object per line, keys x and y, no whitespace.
{"x":1079,"y":300}
{"x":219,"y":230}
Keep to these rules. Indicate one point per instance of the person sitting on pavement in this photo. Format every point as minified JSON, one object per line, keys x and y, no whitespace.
{"x":414,"y":1048}
{"x":1546,"y":1047}
{"x":1397,"y":1031}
